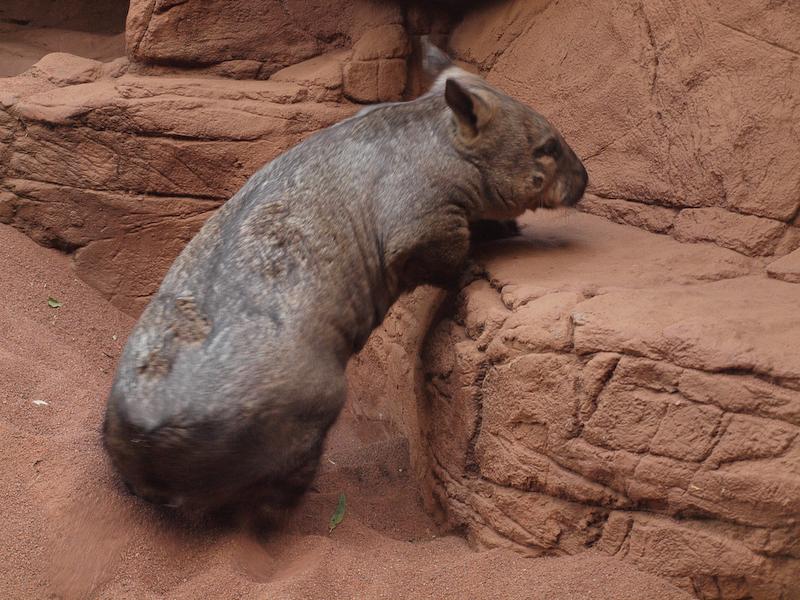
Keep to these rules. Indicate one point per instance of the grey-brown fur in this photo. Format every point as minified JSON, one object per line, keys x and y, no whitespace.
{"x":234,"y":373}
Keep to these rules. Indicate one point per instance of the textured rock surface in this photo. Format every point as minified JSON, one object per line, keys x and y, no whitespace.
{"x":122,"y":170}
{"x":690,"y":106}
{"x":786,"y":268}
{"x":608,"y":388}
{"x":262,"y":37}
{"x":228,"y":39}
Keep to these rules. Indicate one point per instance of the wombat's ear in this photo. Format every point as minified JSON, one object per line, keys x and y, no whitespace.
{"x":434,"y":61}
{"x":472,"y":110}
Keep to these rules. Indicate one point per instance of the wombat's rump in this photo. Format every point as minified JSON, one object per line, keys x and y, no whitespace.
{"x":235,"y":371}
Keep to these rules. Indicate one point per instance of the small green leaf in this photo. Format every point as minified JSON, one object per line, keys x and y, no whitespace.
{"x":338,"y":514}
{"x":53,"y":303}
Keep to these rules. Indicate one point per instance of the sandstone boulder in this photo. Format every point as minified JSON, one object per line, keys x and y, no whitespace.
{"x":608,"y":389}
{"x":786,"y":268}
{"x":122,"y":171}
{"x":272,"y":34}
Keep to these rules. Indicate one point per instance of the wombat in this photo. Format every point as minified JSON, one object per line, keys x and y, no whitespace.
{"x":235,"y":371}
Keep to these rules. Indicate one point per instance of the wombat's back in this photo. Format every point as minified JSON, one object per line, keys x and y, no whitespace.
{"x":246,"y":340}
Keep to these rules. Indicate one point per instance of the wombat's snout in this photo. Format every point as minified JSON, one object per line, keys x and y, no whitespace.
{"x":579,"y":181}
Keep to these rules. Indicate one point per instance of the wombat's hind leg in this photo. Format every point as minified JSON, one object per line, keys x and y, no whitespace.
{"x":271,"y":502}
{"x":287,"y":492}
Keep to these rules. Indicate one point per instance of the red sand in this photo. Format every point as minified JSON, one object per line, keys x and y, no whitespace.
{"x":70,"y":531}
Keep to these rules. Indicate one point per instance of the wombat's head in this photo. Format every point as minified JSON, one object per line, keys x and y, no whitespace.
{"x":523,"y":158}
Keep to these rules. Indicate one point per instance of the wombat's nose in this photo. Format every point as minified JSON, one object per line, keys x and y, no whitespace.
{"x":580,"y":181}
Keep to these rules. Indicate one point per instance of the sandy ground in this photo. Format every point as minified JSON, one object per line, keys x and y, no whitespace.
{"x":21,"y":47}
{"x":68,"y":529}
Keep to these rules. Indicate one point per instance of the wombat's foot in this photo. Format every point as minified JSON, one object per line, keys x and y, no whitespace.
{"x":267,"y":505}
{"x":487,"y":230}
{"x":263,"y":520}
{"x":269,"y":512}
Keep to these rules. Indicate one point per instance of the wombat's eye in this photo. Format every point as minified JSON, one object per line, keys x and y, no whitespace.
{"x":537,"y":181}
{"x":550,"y":148}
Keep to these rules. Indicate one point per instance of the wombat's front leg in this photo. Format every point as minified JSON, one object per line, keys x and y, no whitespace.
{"x":438,"y":260}
{"x":482,"y":231}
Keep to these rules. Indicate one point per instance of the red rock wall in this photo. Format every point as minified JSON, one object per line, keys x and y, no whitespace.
{"x":123,"y":170}
{"x":252,"y":38}
{"x":604,"y":387}
{"x":255,"y":38}
{"x":686,"y":113}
